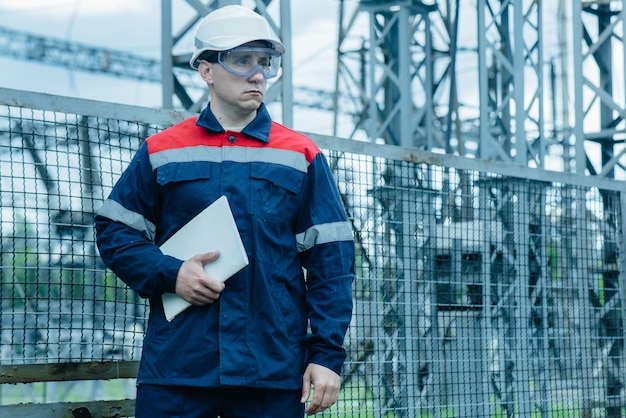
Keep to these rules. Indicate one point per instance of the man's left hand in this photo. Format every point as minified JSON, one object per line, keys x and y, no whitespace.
{"x":326,"y":384}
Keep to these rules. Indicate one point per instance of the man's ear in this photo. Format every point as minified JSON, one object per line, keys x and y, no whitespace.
{"x":205,"y":69}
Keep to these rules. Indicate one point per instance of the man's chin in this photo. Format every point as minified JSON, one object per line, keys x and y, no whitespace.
{"x":252,"y":104}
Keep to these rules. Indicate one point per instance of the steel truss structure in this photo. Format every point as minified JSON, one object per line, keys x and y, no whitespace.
{"x":405,"y":77}
{"x":548,"y":76}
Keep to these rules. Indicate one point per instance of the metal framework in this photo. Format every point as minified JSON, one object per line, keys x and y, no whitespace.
{"x":510,"y":57}
{"x":546,"y":97}
{"x":599,"y":85}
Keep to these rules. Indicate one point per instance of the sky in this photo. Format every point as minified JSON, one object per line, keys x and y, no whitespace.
{"x":134,"y":26}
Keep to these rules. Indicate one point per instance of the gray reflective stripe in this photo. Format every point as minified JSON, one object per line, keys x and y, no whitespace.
{"x":323,"y":233}
{"x":288,"y":158}
{"x":183,"y":155}
{"x":118,"y":213}
{"x":293,"y":159}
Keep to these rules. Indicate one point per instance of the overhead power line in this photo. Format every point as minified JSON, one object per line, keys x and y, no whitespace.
{"x":76,"y":56}
{"x":81,"y":57}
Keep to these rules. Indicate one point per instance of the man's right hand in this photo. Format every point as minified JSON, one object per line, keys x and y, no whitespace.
{"x":194,"y":285}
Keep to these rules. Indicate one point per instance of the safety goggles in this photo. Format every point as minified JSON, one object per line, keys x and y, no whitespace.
{"x":246,"y":60}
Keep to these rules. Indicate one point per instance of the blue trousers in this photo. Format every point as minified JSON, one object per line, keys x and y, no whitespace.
{"x":231,"y":402}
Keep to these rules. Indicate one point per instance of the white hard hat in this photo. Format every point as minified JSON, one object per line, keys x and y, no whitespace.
{"x":231,"y":26}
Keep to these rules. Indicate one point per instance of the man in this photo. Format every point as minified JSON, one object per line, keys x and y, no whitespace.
{"x":242,"y":349}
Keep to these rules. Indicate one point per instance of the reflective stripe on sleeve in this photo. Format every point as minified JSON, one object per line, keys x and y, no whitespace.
{"x":322,"y":234}
{"x":118,"y":213}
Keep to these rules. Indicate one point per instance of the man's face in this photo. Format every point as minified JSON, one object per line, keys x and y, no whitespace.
{"x":230,"y":82}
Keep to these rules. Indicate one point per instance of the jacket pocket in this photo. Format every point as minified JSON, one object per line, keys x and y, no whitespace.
{"x":275,"y":193}
{"x":291,"y":314}
{"x":178,"y":172}
{"x":186,"y":189}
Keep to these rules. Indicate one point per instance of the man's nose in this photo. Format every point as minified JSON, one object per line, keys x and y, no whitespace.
{"x":257,"y":74}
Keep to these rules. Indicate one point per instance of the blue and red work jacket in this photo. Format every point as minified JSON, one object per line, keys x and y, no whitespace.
{"x":289,"y":307}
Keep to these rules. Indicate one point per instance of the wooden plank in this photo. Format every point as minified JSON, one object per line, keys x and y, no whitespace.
{"x":93,"y":409}
{"x":58,"y":372}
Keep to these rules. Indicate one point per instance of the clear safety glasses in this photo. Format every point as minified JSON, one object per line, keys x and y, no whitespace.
{"x":246,"y":60}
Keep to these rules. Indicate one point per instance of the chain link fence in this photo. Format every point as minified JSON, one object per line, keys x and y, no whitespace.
{"x":483,"y":289}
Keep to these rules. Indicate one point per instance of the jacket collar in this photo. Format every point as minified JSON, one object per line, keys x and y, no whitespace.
{"x":259,"y":128}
